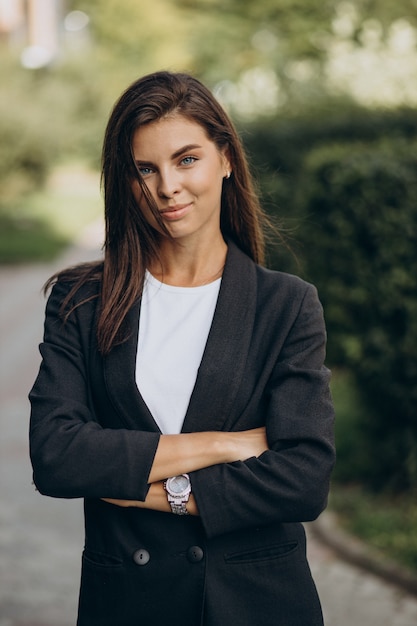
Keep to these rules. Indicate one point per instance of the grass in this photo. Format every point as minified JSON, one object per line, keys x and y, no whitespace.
{"x":385,"y":521}
{"x":47,"y":221}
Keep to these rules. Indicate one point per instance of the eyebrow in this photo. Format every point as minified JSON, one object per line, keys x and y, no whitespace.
{"x":187,"y":148}
{"x":176,"y":154}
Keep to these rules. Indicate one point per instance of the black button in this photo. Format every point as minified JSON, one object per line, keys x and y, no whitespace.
{"x":141,"y":557}
{"x":195,"y":554}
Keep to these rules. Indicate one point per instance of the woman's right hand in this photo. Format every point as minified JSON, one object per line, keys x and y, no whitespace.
{"x":248,"y":443}
{"x":187,"y":452}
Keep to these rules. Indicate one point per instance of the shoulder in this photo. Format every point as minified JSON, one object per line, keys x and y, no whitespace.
{"x":274,"y":290}
{"x":73,"y":287}
{"x":273,"y":280}
{"x":288,"y":297}
{"x":270,"y":282}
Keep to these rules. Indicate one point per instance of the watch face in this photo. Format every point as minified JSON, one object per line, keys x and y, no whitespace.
{"x":178,"y":484}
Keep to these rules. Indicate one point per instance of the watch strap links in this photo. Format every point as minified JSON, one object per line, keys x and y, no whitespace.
{"x":178,"y":508}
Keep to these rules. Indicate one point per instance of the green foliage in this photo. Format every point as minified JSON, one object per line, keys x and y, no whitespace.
{"x":278,"y":149}
{"x":27,"y":240}
{"x":386,"y":523}
{"x":351,"y":199}
{"x":26,"y":149}
{"x":362,"y":207}
{"x":46,"y":117}
{"x":43,"y":223}
{"x":353,"y":459}
{"x":223,"y":38}
{"x":134,"y":38}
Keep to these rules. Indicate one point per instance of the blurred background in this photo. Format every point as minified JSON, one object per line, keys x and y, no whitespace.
{"x":324,"y":95}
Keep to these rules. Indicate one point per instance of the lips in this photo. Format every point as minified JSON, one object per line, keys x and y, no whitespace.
{"x":176,"y":207}
{"x":176,"y":211}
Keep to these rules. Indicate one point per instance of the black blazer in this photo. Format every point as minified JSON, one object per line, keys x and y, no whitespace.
{"x":243,"y":561}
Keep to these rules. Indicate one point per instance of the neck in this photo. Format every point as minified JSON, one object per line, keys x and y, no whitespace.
{"x":186,"y":266}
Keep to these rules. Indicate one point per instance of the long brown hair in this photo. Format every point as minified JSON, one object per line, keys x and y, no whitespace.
{"x":130,"y":242}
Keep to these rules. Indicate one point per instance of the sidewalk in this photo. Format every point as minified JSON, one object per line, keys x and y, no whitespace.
{"x":41,"y":538}
{"x":351,"y":595}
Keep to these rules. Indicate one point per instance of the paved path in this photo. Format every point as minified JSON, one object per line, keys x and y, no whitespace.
{"x":41,"y":538}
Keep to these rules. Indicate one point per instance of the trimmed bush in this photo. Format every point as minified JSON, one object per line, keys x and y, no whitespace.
{"x":278,"y":149}
{"x":345,"y":185}
{"x":360,"y":203}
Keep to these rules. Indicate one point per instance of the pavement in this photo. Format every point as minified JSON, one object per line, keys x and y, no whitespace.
{"x":41,"y":539}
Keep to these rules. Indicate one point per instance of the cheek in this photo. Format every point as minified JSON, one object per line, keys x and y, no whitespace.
{"x":208,"y":182}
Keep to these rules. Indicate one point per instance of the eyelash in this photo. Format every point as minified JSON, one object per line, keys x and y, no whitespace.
{"x":146,"y":171}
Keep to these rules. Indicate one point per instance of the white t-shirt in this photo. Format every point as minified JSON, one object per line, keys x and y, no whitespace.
{"x":173,"y":329}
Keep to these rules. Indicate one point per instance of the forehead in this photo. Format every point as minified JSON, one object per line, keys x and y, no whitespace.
{"x":168,"y":135}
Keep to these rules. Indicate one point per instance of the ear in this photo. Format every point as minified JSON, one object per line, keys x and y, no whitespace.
{"x":227,"y":166}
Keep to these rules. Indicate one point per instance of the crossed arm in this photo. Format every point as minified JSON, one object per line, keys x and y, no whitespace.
{"x":188,"y":452}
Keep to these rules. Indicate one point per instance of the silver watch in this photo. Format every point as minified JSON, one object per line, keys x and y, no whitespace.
{"x":178,"y":490}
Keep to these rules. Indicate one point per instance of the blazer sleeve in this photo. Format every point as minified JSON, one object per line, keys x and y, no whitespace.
{"x":72,"y":455}
{"x":290,"y":481}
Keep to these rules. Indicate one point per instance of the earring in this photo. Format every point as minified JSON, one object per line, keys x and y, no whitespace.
{"x":228,"y":175}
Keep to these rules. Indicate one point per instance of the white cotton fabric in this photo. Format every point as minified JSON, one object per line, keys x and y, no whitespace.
{"x":173,"y":329}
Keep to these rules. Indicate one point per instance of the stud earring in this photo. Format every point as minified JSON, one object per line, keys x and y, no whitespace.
{"x":228,"y":175}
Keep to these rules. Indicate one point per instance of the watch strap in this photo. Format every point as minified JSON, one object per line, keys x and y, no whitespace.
{"x":178,"y":508}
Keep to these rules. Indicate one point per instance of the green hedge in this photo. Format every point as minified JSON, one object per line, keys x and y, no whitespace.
{"x":353,"y":207}
{"x":278,"y":148}
{"x":363,"y":228}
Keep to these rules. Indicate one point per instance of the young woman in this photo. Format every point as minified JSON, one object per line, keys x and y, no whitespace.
{"x":182,"y":391}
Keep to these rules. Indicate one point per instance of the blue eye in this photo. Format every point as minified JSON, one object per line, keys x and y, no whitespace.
{"x":188,"y":160}
{"x":145,"y":171}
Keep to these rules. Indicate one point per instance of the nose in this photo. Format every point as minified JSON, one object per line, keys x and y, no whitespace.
{"x":169,"y":183}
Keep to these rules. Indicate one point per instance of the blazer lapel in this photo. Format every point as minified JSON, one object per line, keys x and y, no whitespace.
{"x":120,"y":379}
{"x":220,"y":373}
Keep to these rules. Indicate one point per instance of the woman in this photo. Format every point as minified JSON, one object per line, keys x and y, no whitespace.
{"x":182,"y":391}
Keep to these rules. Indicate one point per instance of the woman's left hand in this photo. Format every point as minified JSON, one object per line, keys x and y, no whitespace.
{"x":124,"y":503}
{"x":156,"y":500}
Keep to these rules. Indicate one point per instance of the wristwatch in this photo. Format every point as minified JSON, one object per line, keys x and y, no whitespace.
{"x":178,"y":490}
